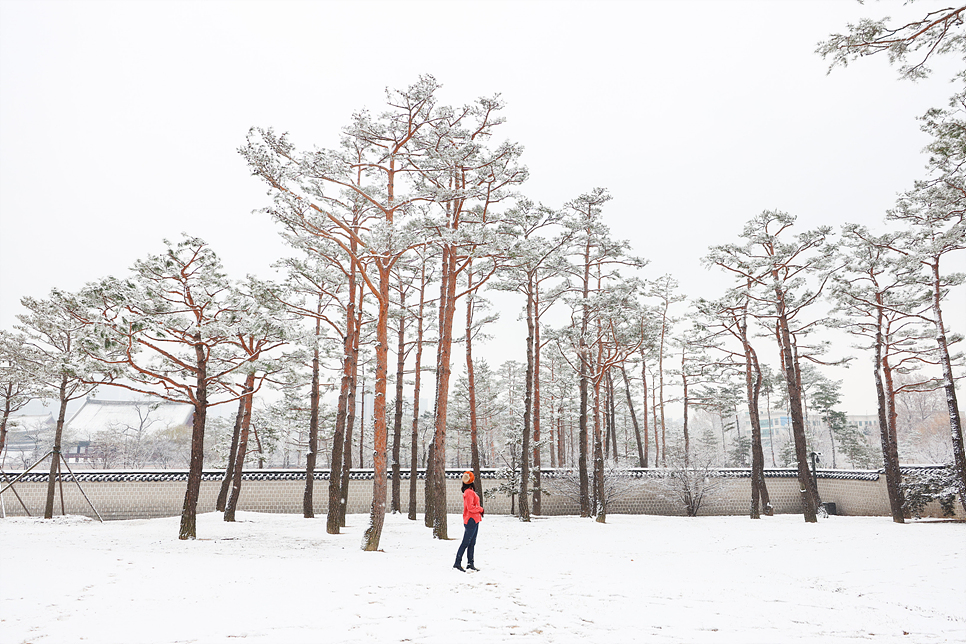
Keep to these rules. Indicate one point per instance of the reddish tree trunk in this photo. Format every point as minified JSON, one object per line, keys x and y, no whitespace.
{"x":398,"y":412}
{"x":230,"y":465}
{"x":447,"y":312}
{"x":471,"y":385}
{"x":188,"y":529}
{"x":335,"y":514}
{"x":885,"y":397}
{"x":536,"y":402}
{"x":242,"y":449}
{"x":350,"y":414}
{"x":380,"y":435}
{"x":414,"y":446}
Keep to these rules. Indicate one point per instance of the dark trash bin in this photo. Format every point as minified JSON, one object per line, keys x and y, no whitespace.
{"x":830,"y":508}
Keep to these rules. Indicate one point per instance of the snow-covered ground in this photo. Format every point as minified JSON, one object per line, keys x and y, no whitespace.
{"x":281,"y":578}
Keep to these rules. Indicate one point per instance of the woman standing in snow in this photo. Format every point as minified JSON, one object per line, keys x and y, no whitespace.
{"x":472,"y":515}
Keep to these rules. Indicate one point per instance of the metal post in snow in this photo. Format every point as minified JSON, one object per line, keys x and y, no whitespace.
{"x":84,"y":494}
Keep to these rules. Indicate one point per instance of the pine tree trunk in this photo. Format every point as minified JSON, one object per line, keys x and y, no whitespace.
{"x":6,"y":417}
{"x":188,"y":529}
{"x":242,"y":449}
{"x":611,"y":415}
{"x":308,"y":510}
{"x":753,"y":380}
{"x":584,"y":357}
{"x":660,"y":391}
{"x":599,"y":371}
{"x":892,"y":465}
{"x":657,"y":447}
{"x":429,"y":516}
{"x":645,"y":458}
{"x":3,"y":428}
{"x":687,"y":437}
{"x":537,"y":483}
{"x":641,"y":461}
{"x":414,"y":446}
{"x":55,"y":457}
{"x":335,"y":515}
{"x":258,"y":448}
{"x":607,"y":425}
{"x":582,"y":439}
{"x":444,"y":352}
{"x":527,"y":411}
{"x":600,"y":509}
{"x":831,"y":438}
{"x":949,"y":385}
{"x":230,"y":465}
{"x":885,"y":399}
{"x":771,"y":429}
{"x":471,"y":386}
{"x":398,"y":415}
{"x":793,"y":383}
{"x":350,"y":414}
{"x":362,"y":421}
{"x":561,"y":437}
{"x":380,"y":430}
{"x":759,"y":497}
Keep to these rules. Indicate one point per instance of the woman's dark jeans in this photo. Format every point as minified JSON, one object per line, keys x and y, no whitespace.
{"x":469,"y":542}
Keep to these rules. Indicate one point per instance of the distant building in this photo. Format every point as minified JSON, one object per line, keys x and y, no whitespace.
{"x":866,"y":423}
{"x":100,"y":421}
{"x":99,"y":415}
{"x":26,"y":438}
{"x":779,"y":421}
{"x":98,"y":429}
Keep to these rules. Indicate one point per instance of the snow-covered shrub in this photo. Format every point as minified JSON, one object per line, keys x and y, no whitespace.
{"x":618,"y":483}
{"x":688,"y":482}
{"x":921,"y":486}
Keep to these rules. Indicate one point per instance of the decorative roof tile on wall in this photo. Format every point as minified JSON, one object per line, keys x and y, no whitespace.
{"x":452,"y":474}
{"x":158,"y":493}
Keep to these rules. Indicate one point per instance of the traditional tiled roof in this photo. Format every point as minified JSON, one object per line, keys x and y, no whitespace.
{"x":31,"y":421}
{"x":744,"y":473}
{"x":367,"y":474}
{"x":910,"y":469}
{"x":99,"y":415}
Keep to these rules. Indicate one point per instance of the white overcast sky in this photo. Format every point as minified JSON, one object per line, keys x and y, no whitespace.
{"x":120,"y":121}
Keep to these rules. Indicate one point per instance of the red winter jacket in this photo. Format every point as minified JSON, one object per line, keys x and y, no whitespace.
{"x":471,"y":506}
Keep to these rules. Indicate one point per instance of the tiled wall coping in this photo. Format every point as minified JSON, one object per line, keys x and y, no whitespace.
{"x":368,"y":474}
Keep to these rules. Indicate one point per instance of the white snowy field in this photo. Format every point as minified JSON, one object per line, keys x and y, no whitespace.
{"x":281,"y":578}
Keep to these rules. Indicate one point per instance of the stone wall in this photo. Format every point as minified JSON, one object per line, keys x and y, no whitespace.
{"x":853,"y":492}
{"x":142,"y":494}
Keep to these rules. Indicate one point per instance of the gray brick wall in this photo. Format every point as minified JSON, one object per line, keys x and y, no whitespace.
{"x":140,"y":495}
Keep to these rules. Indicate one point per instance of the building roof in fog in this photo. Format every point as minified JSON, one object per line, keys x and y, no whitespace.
{"x":150,"y":415}
{"x":30,"y":422}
